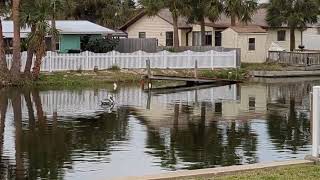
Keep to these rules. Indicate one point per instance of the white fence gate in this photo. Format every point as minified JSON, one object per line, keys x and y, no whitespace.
{"x":137,"y":60}
{"x":315,"y":121}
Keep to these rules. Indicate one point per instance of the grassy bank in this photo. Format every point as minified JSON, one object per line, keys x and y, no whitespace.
{"x":297,"y":172}
{"x":90,"y":78}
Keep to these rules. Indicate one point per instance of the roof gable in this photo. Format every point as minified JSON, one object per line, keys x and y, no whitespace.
{"x":248,"y":29}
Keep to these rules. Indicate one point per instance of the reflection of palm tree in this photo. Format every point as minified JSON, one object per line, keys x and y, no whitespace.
{"x":200,"y":145}
{"x":290,"y":134}
{"x":3,"y":112}
{"x":17,"y":115}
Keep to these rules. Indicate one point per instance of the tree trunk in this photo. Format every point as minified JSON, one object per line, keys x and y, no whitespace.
{"x":175,"y":30}
{"x":53,"y":36}
{"x":16,"y":62}
{"x":233,"y":20}
{"x":203,"y":32}
{"x":3,"y":62}
{"x":292,"y":39}
{"x":30,"y":51}
{"x":37,"y":66}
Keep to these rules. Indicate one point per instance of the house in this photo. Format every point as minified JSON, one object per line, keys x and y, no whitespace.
{"x":71,"y":33}
{"x":251,"y":40}
{"x":160,"y":27}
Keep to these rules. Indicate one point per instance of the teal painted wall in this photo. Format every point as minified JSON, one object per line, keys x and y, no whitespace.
{"x":68,"y":42}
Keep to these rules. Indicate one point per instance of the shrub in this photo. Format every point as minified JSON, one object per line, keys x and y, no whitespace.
{"x":100,"y":45}
{"x":114,"y":68}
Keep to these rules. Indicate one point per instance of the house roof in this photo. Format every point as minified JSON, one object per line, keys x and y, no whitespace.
{"x":259,"y":19}
{"x":164,"y":14}
{"x":248,"y":29}
{"x":64,"y":27}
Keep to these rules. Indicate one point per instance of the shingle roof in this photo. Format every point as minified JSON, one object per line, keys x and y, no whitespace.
{"x":259,"y":19}
{"x":64,"y":27}
{"x":248,"y":29}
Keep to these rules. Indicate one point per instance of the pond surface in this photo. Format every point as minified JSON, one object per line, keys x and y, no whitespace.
{"x":66,"y":134}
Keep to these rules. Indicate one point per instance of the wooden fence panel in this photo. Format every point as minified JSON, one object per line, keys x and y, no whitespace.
{"x":294,"y":58}
{"x":131,"y":45}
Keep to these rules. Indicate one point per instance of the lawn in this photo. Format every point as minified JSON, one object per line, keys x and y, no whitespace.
{"x":297,"y":172}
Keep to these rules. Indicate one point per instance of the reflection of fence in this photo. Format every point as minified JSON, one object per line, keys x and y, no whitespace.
{"x":87,"y":102}
{"x":294,"y":58}
{"x":137,"y":60}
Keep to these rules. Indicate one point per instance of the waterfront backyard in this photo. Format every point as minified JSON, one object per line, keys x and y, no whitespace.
{"x":64,"y":133}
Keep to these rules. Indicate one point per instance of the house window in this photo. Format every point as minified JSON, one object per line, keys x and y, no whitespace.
{"x":252,"y":44}
{"x":252,"y":103}
{"x":142,"y":34}
{"x":196,"y":38}
{"x":217,"y":38}
{"x":208,"y":38}
{"x":282,"y":35}
{"x":169,"y":38}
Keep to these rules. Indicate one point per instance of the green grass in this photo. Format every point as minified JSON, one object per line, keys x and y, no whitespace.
{"x":297,"y":172}
{"x":84,"y":79}
{"x":262,"y":67}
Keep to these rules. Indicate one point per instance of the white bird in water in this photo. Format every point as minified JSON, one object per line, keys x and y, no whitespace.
{"x":108,"y":102}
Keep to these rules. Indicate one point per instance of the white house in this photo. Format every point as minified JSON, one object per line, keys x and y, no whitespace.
{"x":160,"y":27}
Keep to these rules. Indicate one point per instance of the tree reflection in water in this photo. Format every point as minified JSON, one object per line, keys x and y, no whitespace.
{"x":45,"y":147}
{"x":202,"y":142}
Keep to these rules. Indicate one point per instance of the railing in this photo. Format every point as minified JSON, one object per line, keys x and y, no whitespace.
{"x":294,"y":58}
{"x":137,"y":60}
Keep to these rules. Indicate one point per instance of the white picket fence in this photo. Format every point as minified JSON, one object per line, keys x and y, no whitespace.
{"x":137,"y":60}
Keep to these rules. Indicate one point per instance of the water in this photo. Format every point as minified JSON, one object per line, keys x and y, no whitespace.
{"x":65,"y":134}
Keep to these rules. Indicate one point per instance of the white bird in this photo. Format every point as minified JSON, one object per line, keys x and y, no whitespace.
{"x":115,"y":86}
{"x":108,"y":102}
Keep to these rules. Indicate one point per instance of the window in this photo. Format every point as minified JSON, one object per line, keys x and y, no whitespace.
{"x":282,"y":35}
{"x":169,"y":38}
{"x":252,"y":44}
{"x":208,"y":38}
{"x":196,"y":38}
{"x":142,"y":34}
{"x":217,"y":38}
{"x":252,"y":103}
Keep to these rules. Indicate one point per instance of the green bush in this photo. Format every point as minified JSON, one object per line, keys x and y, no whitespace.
{"x":100,"y":45}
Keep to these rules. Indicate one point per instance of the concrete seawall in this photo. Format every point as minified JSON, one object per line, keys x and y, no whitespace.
{"x":276,"y":74}
{"x":209,"y":173}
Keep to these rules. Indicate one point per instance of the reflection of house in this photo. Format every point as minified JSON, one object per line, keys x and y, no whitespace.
{"x":71,"y":33}
{"x":253,"y":101}
{"x":161,"y":28}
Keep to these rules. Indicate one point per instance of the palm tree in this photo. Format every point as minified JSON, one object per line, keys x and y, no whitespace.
{"x":295,"y":14}
{"x":242,"y":10}
{"x":176,"y":7}
{"x":35,"y":15}
{"x":3,"y":63}
{"x":16,"y":62}
{"x":199,"y":10}
{"x":55,"y":6}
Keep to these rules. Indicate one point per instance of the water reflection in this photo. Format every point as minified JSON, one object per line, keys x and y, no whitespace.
{"x":66,"y":134}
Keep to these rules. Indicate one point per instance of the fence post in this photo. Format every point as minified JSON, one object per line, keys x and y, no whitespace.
{"x":87,"y":60}
{"x":50,"y":60}
{"x":315,"y":121}
{"x":212,"y":59}
{"x":196,"y":69}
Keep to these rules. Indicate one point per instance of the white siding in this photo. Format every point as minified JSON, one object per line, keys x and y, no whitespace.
{"x":311,"y":39}
{"x":273,"y":37}
{"x":232,"y":39}
{"x":155,"y":27}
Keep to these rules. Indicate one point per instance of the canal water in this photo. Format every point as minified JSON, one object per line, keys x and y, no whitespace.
{"x":66,"y":134}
